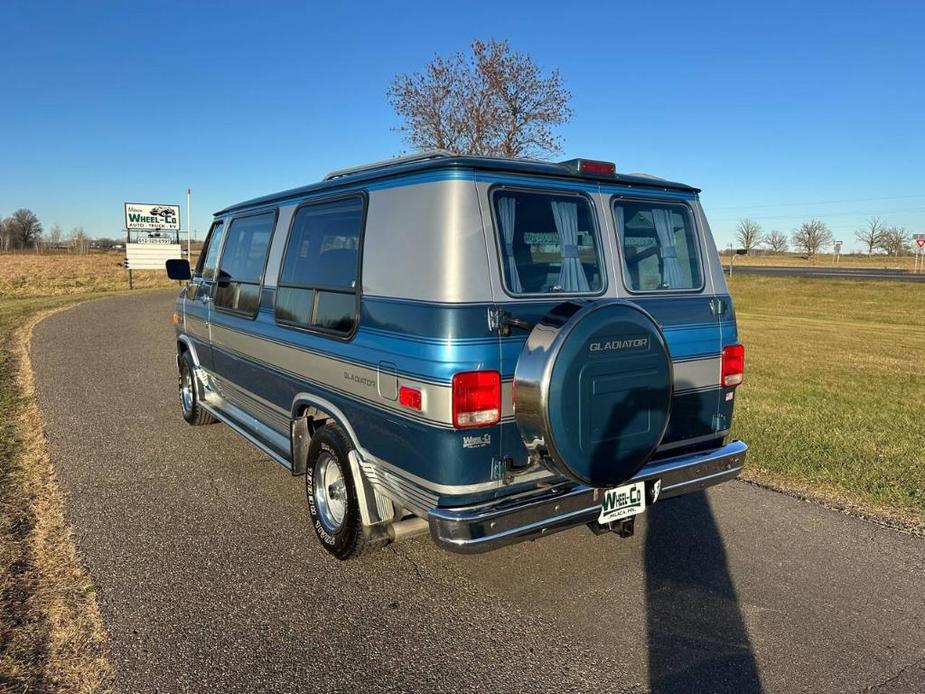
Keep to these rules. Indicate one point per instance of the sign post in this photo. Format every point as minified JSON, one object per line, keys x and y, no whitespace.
{"x":189,"y":228}
{"x":919,"y":252}
{"x":837,"y":254}
{"x":157,"y":236}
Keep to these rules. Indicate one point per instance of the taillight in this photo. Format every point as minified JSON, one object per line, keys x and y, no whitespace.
{"x":476,"y":399}
{"x":733,"y":365}
{"x":410,"y":397}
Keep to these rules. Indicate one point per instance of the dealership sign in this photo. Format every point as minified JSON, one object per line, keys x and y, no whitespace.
{"x":147,"y":216}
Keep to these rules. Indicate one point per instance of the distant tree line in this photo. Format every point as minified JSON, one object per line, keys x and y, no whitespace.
{"x":22,"y":230}
{"x":815,"y":236}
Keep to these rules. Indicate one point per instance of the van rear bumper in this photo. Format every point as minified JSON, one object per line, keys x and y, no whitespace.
{"x":484,"y":527}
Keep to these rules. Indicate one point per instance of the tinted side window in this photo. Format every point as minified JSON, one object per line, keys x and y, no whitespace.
{"x":208,"y":258}
{"x":659,"y":246}
{"x":549,"y":243}
{"x":320,"y":270}
{"x":243,"y":260}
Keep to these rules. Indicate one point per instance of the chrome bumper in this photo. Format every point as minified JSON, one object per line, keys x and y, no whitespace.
{"x":488,"y":526}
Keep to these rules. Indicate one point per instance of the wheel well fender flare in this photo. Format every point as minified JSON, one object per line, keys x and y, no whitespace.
{"x":184,"y":344}
{"x":307,"y":414}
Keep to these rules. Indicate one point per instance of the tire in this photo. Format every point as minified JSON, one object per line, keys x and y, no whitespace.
{"x":193,"y":412}
{"x":593,"y":385}
{"x":331,"y":495}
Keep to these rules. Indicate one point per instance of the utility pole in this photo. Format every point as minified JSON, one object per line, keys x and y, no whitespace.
{"x":189,"y":232}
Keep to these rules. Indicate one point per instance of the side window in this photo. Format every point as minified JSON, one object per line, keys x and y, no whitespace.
{"x":208,"y":258}
{"x":549,"y":242}
{"x":659,"y":246}
{"x":243,"y":260}
{"x":320,"y":271}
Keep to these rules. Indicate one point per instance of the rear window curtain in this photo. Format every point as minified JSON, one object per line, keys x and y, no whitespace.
{"x":659,"y":243}
{"x":243,"y":259}
{"x":549,"y":243}
{"x":318,"y":282}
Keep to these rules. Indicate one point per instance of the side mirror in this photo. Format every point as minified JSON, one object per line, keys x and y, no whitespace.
{"x":178,"y":269}
{"x":741,"y":251}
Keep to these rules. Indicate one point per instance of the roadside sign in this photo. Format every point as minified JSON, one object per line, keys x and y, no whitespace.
{"x":151,"y":256}
{"x":920,"y":242}
{"x":140,"y":215}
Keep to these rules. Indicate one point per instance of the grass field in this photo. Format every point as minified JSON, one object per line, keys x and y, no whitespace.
{"x":25,"y":275}
{"x":879,"y":262}
{"x":835,"y":382}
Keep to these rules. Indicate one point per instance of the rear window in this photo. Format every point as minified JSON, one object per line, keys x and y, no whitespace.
{"x":549,"y":243}
{"x":659,"y":245}
{"x":318,"y":281}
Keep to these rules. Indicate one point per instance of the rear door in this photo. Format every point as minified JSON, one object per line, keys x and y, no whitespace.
{"x":550,"y":250}
{"x":662,"y":258}
{"x":198,"y":312}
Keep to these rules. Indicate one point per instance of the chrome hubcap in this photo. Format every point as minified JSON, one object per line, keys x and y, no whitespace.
{"x":186,"y":391}
{"x":330,"y":493}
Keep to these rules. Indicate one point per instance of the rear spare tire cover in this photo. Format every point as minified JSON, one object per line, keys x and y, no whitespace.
{"x":592,"y":389}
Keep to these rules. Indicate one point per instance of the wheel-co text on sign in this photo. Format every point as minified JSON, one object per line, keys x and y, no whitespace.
{"x":139,"y":215}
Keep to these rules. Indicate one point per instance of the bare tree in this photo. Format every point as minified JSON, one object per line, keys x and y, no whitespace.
{"x":54,"y":235}
{"x":895,"y":241}
{"x":748,"y":234}
{"x":81,"y":240}
{"x":5,"y":234}
{"x":494,"y":102}
{"x":22,"y":229}
{"x":871,"y":235}
{"x":812,"y":236}
{"x":776,"y":242}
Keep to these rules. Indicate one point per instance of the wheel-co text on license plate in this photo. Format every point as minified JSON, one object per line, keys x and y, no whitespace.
{"x":623,"y":502}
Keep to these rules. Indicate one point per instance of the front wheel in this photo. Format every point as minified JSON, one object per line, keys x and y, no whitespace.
{"x":332,"y":499}
{"x":192,"y":410}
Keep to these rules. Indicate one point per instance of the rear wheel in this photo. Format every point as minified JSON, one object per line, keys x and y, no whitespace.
{"x":192,"y":410}
{"x":332,"y":499}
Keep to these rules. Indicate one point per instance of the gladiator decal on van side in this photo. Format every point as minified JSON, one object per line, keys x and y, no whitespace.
{"x":619,"y":345}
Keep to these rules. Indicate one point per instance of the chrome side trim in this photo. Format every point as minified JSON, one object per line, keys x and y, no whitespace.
{"x":495,"y":524}
{"x":226,"y":419}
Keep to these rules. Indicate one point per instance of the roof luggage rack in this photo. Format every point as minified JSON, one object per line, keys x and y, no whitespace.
{"x":385,"y":163}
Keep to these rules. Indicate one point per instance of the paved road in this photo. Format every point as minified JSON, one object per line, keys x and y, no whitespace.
{"x":211,"y":580}
{"x":829,"y":272}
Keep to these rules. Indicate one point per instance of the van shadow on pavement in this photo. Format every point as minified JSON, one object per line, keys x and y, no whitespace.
{"x":697,"y":640}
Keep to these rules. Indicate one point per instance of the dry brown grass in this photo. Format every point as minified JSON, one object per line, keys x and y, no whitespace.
{"x":23,"y":275}
{"x":51,"y":634}
{"x":878,"y":262}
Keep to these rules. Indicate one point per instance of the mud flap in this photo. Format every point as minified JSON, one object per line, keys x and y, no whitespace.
{"x":376,"y":511}
{"x":299,"y":439}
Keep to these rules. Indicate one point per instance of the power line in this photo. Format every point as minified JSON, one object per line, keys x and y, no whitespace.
{"x":818,"y":202}
{"x":823,"y":214}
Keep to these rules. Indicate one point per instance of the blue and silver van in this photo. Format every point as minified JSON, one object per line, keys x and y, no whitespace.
{"x":488,"y":350}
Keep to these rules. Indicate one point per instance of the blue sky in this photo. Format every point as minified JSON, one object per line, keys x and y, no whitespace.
{"x":778,"y":111}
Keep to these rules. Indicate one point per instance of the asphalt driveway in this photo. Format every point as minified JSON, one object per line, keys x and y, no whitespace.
{"x":210,"y":578}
